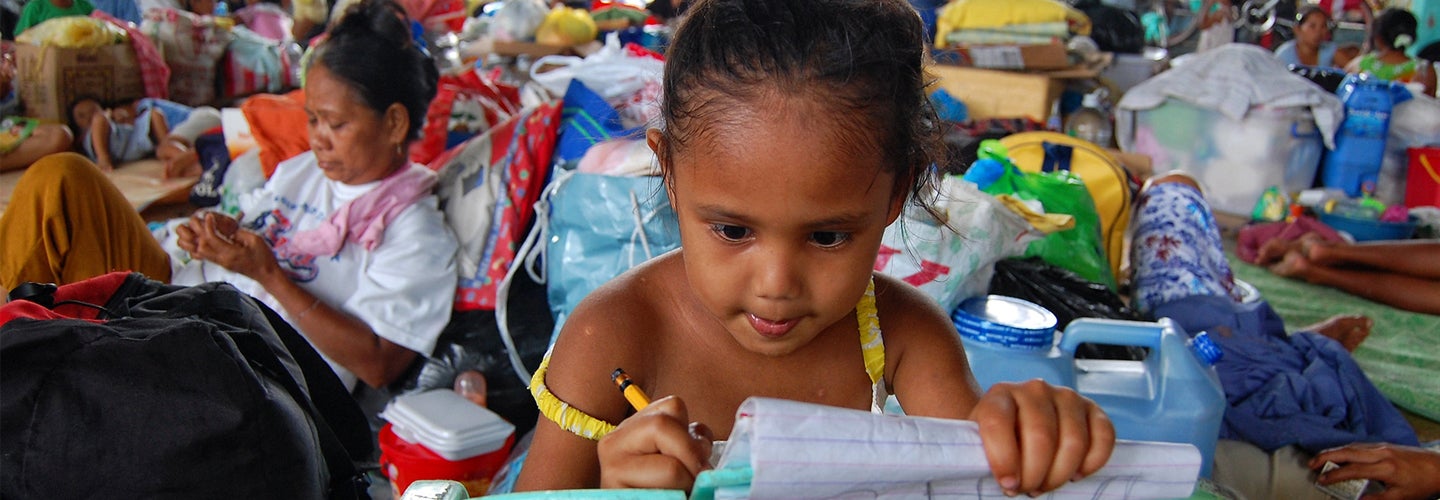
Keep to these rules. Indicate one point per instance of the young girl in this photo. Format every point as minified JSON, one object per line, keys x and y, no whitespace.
{"x":794,"y":132}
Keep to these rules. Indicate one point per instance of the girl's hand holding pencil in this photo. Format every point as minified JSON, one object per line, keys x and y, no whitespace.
{"x":657,"y":447}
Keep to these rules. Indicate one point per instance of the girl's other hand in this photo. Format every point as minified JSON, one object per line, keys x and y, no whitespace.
{"x":1037,"y":436}
{"x":656,"y":448}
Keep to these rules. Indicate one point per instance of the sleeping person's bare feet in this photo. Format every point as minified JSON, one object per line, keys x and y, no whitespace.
{"x":1273,"y":251}
{"x":1347,"y":329}
{"x":1293,"y":265}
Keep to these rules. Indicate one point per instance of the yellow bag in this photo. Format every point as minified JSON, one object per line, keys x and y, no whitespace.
{"x":73,"y":32}
{"x":1107,"y":181}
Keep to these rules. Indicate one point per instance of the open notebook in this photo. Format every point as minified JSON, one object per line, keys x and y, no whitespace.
{"x":788,"y":449}
{"x":793,"y":450}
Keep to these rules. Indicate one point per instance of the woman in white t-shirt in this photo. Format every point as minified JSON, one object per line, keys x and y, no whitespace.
{"x":346,"y":240}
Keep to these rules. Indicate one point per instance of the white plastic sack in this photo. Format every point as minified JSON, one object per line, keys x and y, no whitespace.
{"x":951,"y":266}
{"x":517,"y":20}
{"x":611,"y":72}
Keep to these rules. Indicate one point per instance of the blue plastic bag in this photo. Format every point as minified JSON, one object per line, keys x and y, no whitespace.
{"x":601,"y":226}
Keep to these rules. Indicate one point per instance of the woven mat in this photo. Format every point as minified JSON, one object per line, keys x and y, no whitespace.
{"x":1400,"y":356}
{"x":140,"y":182}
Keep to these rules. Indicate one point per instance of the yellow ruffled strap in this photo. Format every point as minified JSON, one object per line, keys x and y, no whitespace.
{"x":871,"y":345}
{"x":568,"y":418}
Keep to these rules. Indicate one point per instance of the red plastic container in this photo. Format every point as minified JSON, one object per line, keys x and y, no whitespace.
{"x":405,"y":462}
{"x":1422,"y":188}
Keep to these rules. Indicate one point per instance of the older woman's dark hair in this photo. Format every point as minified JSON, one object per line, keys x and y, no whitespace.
{"x":371,"y":49}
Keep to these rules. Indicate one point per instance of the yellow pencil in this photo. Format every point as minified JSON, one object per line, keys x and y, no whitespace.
{"x":632,"y":392}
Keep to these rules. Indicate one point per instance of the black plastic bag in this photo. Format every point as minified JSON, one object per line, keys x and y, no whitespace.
{"x":1114,"y":29}
{"x":471,"y":341}
{"x":1068,"y":296}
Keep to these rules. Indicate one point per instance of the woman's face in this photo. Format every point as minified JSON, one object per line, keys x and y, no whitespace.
{"x":353,"y":143}
{"x":1312,"y":31}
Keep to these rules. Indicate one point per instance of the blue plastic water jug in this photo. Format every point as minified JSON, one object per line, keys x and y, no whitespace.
{"x":1008,"y":340}
{"x":1354,"y":165}
{"x":1173,"y":395}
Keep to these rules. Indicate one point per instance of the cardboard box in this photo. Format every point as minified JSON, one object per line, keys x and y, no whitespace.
{"x":51,"y":79}
{"x":999,"y":94}
{"x":1026,"y":57}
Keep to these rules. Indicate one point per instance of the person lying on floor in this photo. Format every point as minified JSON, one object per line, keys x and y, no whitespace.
{"x":1401,"y":274}
{"x":134,"y":130}
{"x":346,"y":240}
{"x":23,"y":140}
{"x":1289,"y":395}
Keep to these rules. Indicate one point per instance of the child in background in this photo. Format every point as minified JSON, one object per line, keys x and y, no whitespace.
{"x":39,"y":11}
{"x":23,"y":140}
{"x":794,"y":134}
{"x":1392,"y":34}
{"x":133,"y":131}
{"x":1217,"y":24}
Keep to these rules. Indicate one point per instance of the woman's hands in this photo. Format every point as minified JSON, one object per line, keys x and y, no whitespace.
{"x":656,"y":448}
{"x":1407,"y":472}
{"x":1037,"y":437}
{"x":217,"y":238}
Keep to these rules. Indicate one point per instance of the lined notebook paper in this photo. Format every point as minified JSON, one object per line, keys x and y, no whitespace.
{"x":788,"y":449}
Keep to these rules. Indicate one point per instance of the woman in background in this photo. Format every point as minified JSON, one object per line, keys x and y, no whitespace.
{"x":1312,"y":45}
{"x":346,"y":240}
{"x":1391,"y":35}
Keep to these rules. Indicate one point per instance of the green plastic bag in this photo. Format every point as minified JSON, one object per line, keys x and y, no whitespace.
{"x":1078,"y":249}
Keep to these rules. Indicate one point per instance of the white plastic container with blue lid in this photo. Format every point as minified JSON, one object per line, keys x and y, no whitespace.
{"x":447,"y":423}
{"x":1009,"y":339}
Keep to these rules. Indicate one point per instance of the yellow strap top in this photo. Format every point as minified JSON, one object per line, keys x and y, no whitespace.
{"x":581,"y":424}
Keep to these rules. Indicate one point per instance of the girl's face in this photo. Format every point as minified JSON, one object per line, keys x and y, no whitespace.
{"x":781,"y":217}
{"x":352,"y":143}
{"x":1313,"y":30}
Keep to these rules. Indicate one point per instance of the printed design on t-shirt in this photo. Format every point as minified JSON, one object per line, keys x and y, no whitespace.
{"x":275,"y":227}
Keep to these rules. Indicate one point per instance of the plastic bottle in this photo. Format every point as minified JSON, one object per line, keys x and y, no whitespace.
{"x":1173,"y":395}
{"x":1317,"y":197}
{"x":1352,"y":208}
{"x":1090,"y":122}
{"x":1354,"y":165}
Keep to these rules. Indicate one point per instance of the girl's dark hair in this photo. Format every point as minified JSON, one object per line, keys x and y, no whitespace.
{"x":863,"y":60}
{"x":370,"y":48}
{"x":1392,"y":23}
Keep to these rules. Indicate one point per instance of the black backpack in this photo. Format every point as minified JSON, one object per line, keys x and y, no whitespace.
{"x":124,"y":387}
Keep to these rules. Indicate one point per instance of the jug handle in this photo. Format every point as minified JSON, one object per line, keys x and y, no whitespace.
{"x":1115,"y":332}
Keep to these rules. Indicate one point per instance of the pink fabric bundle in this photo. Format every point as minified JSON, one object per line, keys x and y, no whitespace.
{"x":153,"y":70}
{"x":1254,"y":237}
{"x":363,"y":220}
